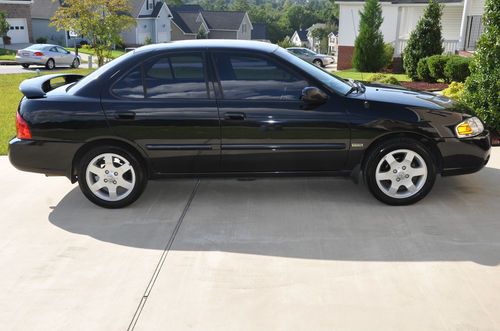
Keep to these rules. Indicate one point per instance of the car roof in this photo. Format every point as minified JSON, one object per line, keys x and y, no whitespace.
{"x":211,"y":43}
{"x":39,"y":46}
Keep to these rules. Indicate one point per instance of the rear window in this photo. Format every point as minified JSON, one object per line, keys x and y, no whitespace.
{"x":36,"y":47}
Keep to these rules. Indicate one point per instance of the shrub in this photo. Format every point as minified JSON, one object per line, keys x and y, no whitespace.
{"x":41,"y":40}
{"x":369,"y":45}
{"x":423,"y":71}
{"x":483,"y":85}
{"x":384,"y":79}
{"x":454,"y":91}
{"x":84,"y":42}
{"x":436,"y":65}
{"x":148,"y":40}
{"x":425,"y":40}
{"x":457,"y":69}
{"x":388,"y":54}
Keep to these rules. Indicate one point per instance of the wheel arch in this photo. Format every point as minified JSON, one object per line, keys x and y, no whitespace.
{"x":138,"y":153}
{"x":426,"y":141}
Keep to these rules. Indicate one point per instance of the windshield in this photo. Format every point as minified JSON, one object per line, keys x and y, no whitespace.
{"x":334,"y":82}
{"x":36,"y":47}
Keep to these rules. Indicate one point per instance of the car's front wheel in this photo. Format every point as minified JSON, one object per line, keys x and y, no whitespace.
{"x":400,"y":172}
{"x":75,"y":64}
{"x":111,"y":177}
{"x":318,"y":63}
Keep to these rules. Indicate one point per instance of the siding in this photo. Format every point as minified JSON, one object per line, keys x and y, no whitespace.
{"x":19,"y":11}
{"x":451,"y":19}
{"x":476,"y":7}
{"x":41,"y":29}
{"x":248,"y":34}
{"x":218,"y":34}
{"x":177,"y":34}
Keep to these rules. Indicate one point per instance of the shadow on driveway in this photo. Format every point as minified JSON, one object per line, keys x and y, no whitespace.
{"x":312,"y":218}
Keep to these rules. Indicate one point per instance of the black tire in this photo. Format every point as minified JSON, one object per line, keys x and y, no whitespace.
{"x":318,"y":62}
{"x":138,"y":169}
{"x":25,"y":66}
{"x":381,"y":151}
{"x":75,"y":64}
{"x":50,"y":65}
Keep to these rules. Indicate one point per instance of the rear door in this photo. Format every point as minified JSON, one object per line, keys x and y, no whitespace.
{"x":166,"y":106}
{"x":265,"y":125}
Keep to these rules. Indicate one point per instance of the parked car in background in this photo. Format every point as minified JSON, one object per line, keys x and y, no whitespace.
{"x":321,"y":60}
{"x":237,"y":109}
{"x":47,"y":55}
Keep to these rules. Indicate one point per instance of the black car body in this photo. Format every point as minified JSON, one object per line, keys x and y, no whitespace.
{"x":229,"y":108}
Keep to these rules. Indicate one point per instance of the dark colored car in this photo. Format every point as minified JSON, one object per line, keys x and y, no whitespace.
{"x":231,"y":108}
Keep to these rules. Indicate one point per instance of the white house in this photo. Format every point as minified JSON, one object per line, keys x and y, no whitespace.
{"x":461,"y":23}
{"x":299,"y":38}
{"x":153,"y":19}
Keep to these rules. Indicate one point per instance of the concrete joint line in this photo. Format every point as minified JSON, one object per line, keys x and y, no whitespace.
{"x":163,"y":257}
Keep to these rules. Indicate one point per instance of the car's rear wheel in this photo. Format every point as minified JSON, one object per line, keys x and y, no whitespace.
{"x":111,"y":177}
{"x":400,"y":172}
{"x":75,"y":64}
{"x":318,"y":62}
{"x":25,"y":66}
{"x":51,"y":64}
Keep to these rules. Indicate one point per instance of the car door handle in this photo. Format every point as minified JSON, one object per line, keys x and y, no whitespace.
{"x":125,"y":115}
{"x":234,"y":116}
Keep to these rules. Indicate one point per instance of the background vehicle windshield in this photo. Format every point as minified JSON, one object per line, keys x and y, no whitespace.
{"x":334,"y":82}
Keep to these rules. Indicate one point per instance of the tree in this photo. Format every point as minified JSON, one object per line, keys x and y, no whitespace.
{"x":296,"y":17}
{"x":483,"y":85}
{"x":425,"y":40}
{"x":4,"y":25}
{"x":369,"y":45}
{"x":174,"y":3}
{"x":101,"y":21}
{"x":240,"y":5}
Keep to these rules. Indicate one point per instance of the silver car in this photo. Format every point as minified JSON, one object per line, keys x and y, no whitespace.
{"x":321,"y":60}
{"x":50,"y":56}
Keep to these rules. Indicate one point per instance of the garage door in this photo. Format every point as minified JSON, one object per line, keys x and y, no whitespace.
{"x":18,"y":31}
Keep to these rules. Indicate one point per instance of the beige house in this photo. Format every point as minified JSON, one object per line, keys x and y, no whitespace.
{"x":19,"y":19}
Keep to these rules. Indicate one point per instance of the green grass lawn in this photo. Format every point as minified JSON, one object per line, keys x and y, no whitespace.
{"x":10,"y":97}
{"x":7,"y":54}
{"x":114,"y":53}
{"x":363,"y":76}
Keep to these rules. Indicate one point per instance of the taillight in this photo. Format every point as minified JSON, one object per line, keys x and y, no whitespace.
{"x":23,"y":130}
{"x":38,"y":54}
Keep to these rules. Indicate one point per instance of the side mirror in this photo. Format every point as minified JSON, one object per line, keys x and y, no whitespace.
{"x":313,"y":95}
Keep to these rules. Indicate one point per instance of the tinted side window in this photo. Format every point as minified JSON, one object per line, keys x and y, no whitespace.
{"x":249,"y":77}
{"x":130,"y":86}
{"x":175,"y":76}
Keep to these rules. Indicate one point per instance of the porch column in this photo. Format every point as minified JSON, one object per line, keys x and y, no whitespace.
{"x":463,"y":26}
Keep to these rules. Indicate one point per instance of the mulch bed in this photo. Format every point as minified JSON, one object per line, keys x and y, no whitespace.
{"x":424,"y":86}
{"x":495,"y":138}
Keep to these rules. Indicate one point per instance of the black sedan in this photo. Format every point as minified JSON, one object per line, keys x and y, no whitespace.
{"x":240,"y":109}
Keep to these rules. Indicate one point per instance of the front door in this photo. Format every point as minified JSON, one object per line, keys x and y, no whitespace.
{"x":165,"y":106}
{"x":266,"y":127}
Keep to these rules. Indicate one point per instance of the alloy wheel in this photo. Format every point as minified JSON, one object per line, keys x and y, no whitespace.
{"x":401,"y":173}
{"x":110,"y":177}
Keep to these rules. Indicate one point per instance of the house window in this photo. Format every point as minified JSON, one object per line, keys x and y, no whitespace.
{"x":149,"y":5}
{"x":244,"y":28}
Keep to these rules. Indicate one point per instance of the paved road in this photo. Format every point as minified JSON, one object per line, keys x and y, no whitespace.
{"x":290,"y":254}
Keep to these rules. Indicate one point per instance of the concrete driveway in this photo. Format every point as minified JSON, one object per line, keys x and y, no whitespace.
{"x":288,"y":254}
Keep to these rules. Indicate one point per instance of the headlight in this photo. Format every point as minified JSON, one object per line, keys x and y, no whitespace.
{"x":469,"y":128}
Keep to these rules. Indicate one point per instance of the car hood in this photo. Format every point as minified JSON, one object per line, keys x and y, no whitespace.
{"x":399,"y":95}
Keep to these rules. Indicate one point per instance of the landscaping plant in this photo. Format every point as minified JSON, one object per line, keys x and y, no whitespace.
{"x":457,"y":69}
{"x":384,"y":79}
{"x":4,"y":25}
{"x":425,"y":40}
{"x":482,"y":87}
{"x":423,"y":71}
{"x":436,"y":64}
{"x":369,"y":51}
{"x":101,"y":21}
{"x":454,"y":91}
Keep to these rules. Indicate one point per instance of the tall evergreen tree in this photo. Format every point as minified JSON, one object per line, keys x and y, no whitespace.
{"x":482,"y":87}
{"x":425,"y":40}
{"x":369,"y":45}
